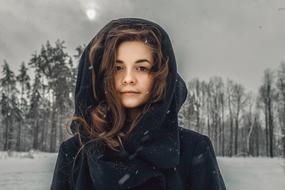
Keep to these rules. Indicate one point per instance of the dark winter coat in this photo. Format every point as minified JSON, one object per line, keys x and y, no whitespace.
{"x":158,"y":154}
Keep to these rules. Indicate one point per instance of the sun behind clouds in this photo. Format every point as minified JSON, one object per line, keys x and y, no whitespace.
{"x":91,"y":14}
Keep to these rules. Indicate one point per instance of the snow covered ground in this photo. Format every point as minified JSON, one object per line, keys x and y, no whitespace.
{"x":253,"y":173}
{"x":33,"y":171}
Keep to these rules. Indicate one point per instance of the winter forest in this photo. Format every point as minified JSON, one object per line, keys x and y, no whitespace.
{"x":34,"y":108}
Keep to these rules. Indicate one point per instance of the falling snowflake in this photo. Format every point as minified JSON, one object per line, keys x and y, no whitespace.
{"x":124,"y":179}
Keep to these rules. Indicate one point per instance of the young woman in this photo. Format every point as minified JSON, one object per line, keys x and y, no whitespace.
{"x":126,"y":134}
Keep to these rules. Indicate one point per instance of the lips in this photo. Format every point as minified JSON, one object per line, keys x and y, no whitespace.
{"x":129,"y":93}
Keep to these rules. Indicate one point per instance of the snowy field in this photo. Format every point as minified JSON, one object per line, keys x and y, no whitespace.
{"x":34,"y":172}
{"x":253,"y":173}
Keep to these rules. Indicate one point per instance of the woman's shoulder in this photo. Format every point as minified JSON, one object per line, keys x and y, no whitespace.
{"x":72,"y":141}
{"x":193,"y":143}
{"x":70,"y":146}
{"x":191,"y":137}
{"x":64,"y":165}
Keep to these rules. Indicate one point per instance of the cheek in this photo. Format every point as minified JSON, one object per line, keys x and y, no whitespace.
{"x":116,"y":82}
{"x":150,"y":83}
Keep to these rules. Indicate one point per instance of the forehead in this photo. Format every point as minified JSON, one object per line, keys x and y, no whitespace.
{"x":133,"y":49}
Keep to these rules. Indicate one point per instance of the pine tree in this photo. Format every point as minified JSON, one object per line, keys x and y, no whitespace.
{"x":9,"y":106}
{"x":57,"y":68}
{"x":34,"y":112}
{"x":24,"y":80}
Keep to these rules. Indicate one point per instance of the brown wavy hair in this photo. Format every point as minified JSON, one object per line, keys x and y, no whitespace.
{"x":109,"y":121}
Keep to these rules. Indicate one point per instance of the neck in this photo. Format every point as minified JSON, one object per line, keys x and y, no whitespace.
{"x":132,"y":113}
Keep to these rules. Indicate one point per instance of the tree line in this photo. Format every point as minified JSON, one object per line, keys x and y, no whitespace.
{"x":238,"y":122}
{"x":33,"y":108}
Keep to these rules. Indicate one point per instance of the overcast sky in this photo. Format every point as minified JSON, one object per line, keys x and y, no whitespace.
{"x":234,"y":39}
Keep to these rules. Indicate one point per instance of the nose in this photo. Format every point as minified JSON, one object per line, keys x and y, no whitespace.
{"x":129,"y":78}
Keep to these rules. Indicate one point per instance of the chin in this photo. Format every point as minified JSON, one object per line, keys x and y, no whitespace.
{"x":132,"y":105}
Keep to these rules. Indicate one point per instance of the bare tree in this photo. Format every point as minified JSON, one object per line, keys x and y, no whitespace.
{"x":230,"y":84}
{"x":281,"y":94}
{"x":249,"y":123}
{"x":238,"y":103}
{"x":216,"y":88}
{"x":267,"y":94}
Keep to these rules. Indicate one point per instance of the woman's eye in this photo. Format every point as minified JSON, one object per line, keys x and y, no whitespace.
{"x":144,"y":69}
{"x":118,"y":68}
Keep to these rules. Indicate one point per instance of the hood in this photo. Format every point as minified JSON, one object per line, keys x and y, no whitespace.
{"x":156,"y":136}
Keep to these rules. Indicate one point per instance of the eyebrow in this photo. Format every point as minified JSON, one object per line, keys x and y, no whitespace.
{"x":137,"y":61}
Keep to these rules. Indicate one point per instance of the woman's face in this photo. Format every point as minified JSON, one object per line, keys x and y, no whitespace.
{"x":133,"y":79}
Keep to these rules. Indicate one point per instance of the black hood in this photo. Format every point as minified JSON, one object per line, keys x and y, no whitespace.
{"x":159,"y":126}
